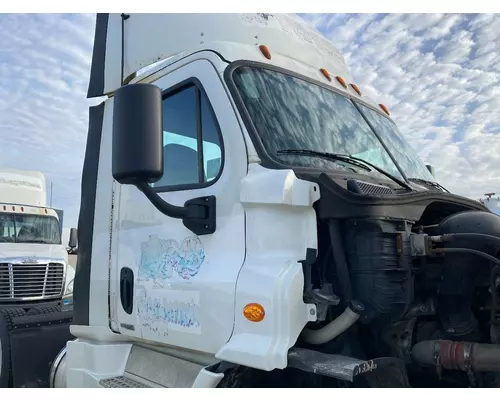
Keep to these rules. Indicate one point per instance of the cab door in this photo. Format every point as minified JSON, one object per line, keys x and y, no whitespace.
{"x":169,"y":285}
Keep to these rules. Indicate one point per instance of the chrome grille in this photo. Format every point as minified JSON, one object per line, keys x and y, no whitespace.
{"x":31,"y":281}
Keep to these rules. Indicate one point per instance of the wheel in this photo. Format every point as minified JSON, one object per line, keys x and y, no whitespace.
{"x":4,"y":353}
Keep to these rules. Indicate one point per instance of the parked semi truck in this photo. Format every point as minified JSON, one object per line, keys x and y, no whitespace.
{"x":36,"y":281}
{"x":250,"y":218}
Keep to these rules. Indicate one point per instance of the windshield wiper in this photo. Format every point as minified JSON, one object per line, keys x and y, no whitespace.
{"x":347,"y":158}
{"x":429,"y":183}
{"x":328,"y":156}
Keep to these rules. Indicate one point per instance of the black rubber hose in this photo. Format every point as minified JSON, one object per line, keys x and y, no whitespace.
{"x":471,"y":236}
{"x":340,"y":261}
{"x":494,"y":299}
{"x":471,"y":251}
{"x":456,"y":295}
{"x":495,"y":307}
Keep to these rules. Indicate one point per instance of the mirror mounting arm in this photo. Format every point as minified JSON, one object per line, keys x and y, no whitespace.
{"x":198,"y":215}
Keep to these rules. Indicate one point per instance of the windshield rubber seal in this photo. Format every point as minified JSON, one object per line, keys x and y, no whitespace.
{"x":266,"y":160}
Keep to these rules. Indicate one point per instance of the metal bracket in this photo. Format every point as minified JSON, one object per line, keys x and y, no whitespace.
{"x":338,"y":366}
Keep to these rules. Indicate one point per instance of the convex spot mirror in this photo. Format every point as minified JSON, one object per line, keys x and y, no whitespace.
{"x":73,"y":238}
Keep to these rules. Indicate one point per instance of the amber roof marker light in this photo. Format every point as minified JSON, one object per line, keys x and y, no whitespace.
{"x":265,"y":51}
{"x":341,"y":81}
{"x":356,"y":89}
{"x":326,"y":74}
{"x":384,"y":109}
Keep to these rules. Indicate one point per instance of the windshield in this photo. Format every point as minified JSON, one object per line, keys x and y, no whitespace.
{"x":291,"y":113}
{"x":20,"y":228}
{"x":405,"y":155}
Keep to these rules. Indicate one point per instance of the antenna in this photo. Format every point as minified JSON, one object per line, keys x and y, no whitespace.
{"x":51,"y":183}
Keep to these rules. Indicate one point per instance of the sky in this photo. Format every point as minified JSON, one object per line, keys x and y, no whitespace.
{"x":439,"y":74}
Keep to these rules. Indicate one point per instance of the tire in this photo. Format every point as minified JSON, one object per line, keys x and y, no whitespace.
{"x":4,"y":353}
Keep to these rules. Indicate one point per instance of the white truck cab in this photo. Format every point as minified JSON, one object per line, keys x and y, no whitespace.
{"x":249,"y":217}
{"x":35,"y":280}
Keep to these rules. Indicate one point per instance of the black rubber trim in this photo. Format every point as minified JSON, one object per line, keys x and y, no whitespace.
{"x":31,"y":305}
{"x":97,"y":68}
{"x":5,"y":365}
{"x":177,"y":88}
{"x":37,"y":320}
{"x":338,"y":202}
{"x":81,"y":289}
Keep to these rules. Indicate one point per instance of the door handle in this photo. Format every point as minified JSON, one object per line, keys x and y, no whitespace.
{"x":127,"y":289}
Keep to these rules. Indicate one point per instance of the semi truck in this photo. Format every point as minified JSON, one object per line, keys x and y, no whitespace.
{"x":251,"y":218}
{"x":35,"y":281}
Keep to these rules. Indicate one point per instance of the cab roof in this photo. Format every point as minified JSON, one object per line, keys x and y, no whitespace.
{"x":149,"y":38}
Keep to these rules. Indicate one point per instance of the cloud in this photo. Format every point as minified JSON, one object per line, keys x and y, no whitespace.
{"x":44,"y":71}
{"x":438,"y":73}
{"x":440,"y":76}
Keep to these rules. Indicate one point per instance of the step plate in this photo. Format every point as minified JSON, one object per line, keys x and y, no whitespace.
{"x":120,"y":382}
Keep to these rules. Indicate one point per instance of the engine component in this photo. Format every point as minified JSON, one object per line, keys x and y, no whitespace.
{"x":336,"y":327}
{"x":495,"y":306}
{"x":462,"y":268}
{"x":323,"y":298}
{"x":380,"y":265}
{"x":421,"y":309}
{"x":338,"y":253}
{"x":462,"y":356}
{"x":399,"y":339}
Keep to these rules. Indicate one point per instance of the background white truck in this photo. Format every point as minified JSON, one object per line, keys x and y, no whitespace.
{"x":492,"y":201}
{"x":36,"y":281}
{"x":250,"y":218}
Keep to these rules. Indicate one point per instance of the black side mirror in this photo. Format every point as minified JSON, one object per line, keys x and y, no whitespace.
{"x":73,"y":238}
{"x":137,"y":134}
{"x":430,"y":168}
{"x":137,"y":156}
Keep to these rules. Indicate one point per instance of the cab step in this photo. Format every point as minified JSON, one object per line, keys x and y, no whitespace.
{"x":121,"y":382}
{"x":148,"y":368}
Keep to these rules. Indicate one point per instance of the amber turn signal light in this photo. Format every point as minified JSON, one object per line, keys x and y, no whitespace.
{"x":254,"y":312}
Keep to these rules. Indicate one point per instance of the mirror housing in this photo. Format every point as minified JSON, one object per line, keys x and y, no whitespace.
{"x":430,"y":168}
{"x":137,"y":154}
{"x":137,"y":134}
{"x":73,"y":238}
